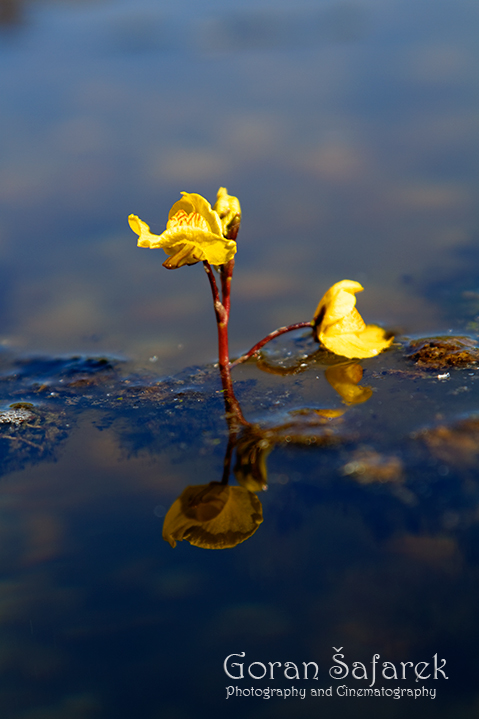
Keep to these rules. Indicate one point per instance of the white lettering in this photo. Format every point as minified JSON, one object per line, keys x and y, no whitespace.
{"x":439,"y":669}
{"x":234,"y":664}
{"x":337,"y":672}
{"x":316,"y":669}
{"x":260,"y":665}
{"x":389,"y":666}
{"x":293,"y":667}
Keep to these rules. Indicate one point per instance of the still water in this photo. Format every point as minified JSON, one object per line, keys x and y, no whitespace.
{"x":349,"y":131}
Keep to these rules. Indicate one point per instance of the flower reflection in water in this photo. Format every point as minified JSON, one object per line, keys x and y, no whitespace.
{"x":344,"y":378}
{"x":213,"y":516}
{"x":218,"y":516}
{"x":252,"y":449}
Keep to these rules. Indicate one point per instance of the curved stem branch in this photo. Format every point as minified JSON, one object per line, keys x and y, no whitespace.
{"x":268,"y":338}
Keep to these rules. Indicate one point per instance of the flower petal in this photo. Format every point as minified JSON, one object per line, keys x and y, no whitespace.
{"x":146,"y":238}
{"x":338,"y":302}
{"x":357,"y":345}
{"x":191,"y":202}
{"x":215,"y":249}
{"x":186,"y":254}
{"x":352,"y":322}
{"x":340,"y":328}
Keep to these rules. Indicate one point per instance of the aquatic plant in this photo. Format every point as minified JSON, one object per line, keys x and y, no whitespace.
{"x":206,"y":515}
{"x":196,"y":232}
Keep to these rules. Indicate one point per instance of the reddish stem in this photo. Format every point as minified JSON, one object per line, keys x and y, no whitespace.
{"x":234,"y":415}
{"x":226,"y":272}
{"x":268,"y":338}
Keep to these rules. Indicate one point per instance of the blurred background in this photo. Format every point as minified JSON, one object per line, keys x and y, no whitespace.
{"x":347,"y":128}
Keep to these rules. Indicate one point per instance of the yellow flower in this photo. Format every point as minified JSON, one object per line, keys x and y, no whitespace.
{"x":213,"y":516}
{"x":194,"y":233}
{"x":340,"y":328}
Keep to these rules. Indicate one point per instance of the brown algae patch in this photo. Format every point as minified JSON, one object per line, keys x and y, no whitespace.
{"x":440,"y":352}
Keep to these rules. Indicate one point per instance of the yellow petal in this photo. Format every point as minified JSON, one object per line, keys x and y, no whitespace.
{"x":215,"y":249}
{"x":204,"y":244}
{"x":186,"y":254}
{"x":183,"y":219}
{"x":340,"y":328}
{"x":191,"y":202}
{"x":213,"y":516}
{"x":368,"y":343}
{"x":338,"y":302}
{"x":145,"y":237}
{"x":352,"y":322}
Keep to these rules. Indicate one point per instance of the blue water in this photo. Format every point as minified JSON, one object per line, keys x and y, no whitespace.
{"x":349,"y":133}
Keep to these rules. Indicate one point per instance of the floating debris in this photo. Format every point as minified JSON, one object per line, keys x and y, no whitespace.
{"x":16,"y":414}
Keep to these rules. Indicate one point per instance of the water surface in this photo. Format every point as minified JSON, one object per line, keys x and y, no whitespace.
{"x":349,"y":133}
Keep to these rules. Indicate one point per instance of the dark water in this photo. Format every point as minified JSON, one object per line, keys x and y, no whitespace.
{"x":349,"y":133}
